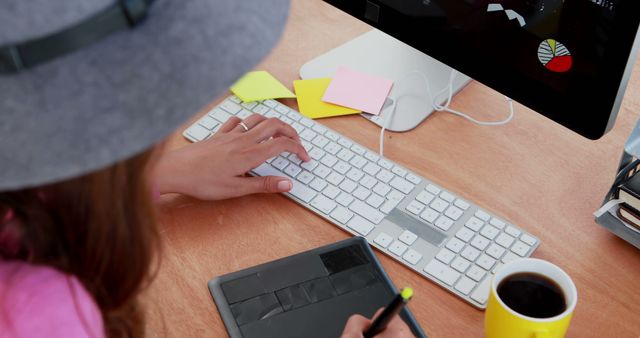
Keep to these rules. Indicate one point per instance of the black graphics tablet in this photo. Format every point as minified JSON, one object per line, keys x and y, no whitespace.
{"x":311,"y":294}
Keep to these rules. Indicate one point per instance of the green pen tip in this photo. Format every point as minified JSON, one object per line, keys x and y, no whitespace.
{"x":406,"y":293}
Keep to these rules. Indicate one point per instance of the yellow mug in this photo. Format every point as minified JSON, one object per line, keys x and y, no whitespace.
{"x":500,"y":321}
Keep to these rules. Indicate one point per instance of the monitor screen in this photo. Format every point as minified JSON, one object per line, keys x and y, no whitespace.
{"x":566,"y":59}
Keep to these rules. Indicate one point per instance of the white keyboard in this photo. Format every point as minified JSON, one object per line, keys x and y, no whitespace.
{"x":446,"y":239}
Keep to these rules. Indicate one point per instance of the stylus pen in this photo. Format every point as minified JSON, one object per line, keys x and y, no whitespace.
{"x":380,"y":323}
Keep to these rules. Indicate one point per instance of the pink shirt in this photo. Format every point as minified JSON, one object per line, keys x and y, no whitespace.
{"x":39,"y":301}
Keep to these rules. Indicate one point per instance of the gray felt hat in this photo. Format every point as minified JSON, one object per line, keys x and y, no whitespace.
{"x":122,"y":91}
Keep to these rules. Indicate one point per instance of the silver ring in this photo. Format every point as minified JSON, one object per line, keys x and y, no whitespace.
{"x":244,"y":126}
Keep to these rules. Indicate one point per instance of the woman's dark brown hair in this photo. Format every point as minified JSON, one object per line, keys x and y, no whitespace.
{"x":100,"y":228}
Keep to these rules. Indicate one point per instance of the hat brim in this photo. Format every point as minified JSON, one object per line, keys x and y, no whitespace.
{"x":121,"y":95}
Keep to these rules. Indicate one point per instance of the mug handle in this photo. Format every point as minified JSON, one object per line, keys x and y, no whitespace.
{"x":541,"y":334}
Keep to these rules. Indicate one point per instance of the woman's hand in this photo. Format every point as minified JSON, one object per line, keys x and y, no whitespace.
{"x":215,"y":168}
{"x":357,"y":325}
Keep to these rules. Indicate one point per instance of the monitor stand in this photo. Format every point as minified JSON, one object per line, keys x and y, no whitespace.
{"x":380,"y":54}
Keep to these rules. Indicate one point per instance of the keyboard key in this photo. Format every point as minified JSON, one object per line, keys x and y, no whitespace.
{"x":480,"y":242}
{"x":455,"y":245}
{"x":335,"y":178}
{"x":208,"y":122}
{"x":231,"y":107}
{"x":366,"y":211}
{"x":385,"y":176}
{"x":504,"y":240}
{"x":281,"y":109}
{"x":332,"y":148}
{"x":413,"y":179}
{"x":495,"y":251}
{"x":470,"y":253}
{"x":358,"y":149}
{"x":331,"y":191}
{"x":292,"y":170}
{"x":444,"y":223}
{"x":329,"y":160}
{"x":381,"y":189}
{"x":388,"y":206}
{"x":306,"y":122}
{"x":465,"y":234}
{"x":318,"y":184}
{"x":375,"y":200}
{"x":445,"y":256}
{"x":398,"y":171}
{"x":408,"y":237}
{"x":383,"y":240}
{"x":520,"y":248}
{"x":412,"y":256}
{"x":415,"y":207}
{"x":305,"y":177}
{"x":234,"y":99}
{"x":371,"y":169}
{"x":323,"y":204}
{"x":260,"y":109}
{"x":295,"y":116}
{"x":397,"y":248}
{"x":345,"y":199}
{"x":489,"y":232}
{"x":361,"y":193}
{"x":348,"y":185}
{"x":360,"y":225}
{"x":498,"y":223}
{"x":402,"y":185}
{"x":320,"y":129}
{"x":309,"y":165}
{"x":308,"y":135}
{"x":425,"y":197}
{"x":447,"y":196}
{"x":429,"y":215}
{"x":453,"y":213}
{"x":465,"y":285}
{"x":368,"y":182}
{"x":385,"y":164}
{"x":341,"y":167}
{"x":481,"y":293}
{"x":512,"y":231}
{"x":461,"y":204}
{"x":439,"y":205}
{"x":355,"y":174}
{"x":476,"y":273}
{"x":486,"y":262}
{"x":528,"y":239}
{"x":433,"y":189}
{"x":249,"y":105}
{"x":460,"y":264}
{"x":321,"y":171}
{"x":198,"y":132}
{"x":270,"y":103}
{"x":508,"y":257}
{"x":371,"y":156}
{"x":482,"y":215}
{"x":395,"y":195}
{"x":341,"y":215}
{"x":442,"y":272}
{"x":474,"y":224}
{"x":345,"y":155}
{"x":299,"y":190}
{"x":345,"y":143}
{"x":358,"y":162}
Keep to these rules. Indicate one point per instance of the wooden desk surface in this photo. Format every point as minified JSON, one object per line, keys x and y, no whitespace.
{"x":531,"y":172}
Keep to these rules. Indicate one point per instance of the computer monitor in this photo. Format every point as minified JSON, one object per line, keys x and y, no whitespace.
{"x":569,"y":60}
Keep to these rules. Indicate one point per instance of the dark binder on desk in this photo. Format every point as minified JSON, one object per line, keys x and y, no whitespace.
{"x":311,"y":294}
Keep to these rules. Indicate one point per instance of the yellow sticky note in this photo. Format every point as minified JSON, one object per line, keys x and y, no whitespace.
{"x":260,"y":85}
{"x":309,"y":94}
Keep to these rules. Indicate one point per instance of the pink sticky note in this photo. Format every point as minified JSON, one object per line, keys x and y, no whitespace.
{"x":357,"y":90}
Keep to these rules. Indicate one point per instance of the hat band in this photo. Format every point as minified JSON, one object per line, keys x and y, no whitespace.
{"x":122,"y":15}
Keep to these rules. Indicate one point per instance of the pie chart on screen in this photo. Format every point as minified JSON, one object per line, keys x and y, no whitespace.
{"x":554,"y":56}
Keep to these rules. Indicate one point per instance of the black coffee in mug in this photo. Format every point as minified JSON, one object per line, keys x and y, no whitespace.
{"x":532,"y":295}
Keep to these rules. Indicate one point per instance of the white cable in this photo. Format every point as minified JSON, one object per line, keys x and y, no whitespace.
{"x":444,"y":107}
